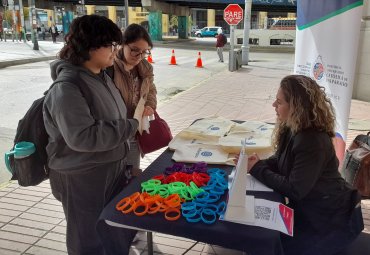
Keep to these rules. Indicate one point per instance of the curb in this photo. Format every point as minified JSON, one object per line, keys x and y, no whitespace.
{"x":167,"y":44}
{"x":8,"y":63}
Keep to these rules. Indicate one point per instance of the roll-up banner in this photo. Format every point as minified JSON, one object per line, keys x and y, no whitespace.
{"x":326,"y":50}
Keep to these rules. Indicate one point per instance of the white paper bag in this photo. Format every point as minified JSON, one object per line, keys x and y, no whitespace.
{"x":208,"y":127}
{"x":257,"y":134}
{"x":211,"y":154}
{"x":180,"y":140}
{"x":254,"y":142}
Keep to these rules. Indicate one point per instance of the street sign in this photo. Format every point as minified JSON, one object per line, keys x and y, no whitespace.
{"x":233,"y":14}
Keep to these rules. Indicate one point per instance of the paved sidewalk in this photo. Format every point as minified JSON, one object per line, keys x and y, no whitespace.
{"x":32,"y":221}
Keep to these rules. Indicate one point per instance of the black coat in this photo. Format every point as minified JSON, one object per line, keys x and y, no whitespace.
{"x":305,"y":170}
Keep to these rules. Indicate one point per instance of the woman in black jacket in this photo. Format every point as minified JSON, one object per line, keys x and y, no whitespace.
{"x":305,"y":169}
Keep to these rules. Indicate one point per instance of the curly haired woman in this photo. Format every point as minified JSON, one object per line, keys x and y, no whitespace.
{"x":304,"y":169}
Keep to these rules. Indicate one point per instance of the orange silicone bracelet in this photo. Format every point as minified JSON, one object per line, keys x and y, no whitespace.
{"x":129,"y":209}
{"x":153,"y":208}
{"x":135,"y":196}
{"x":138,"y":205}
{"x":170,"y":210}
{"x":123,"y":203}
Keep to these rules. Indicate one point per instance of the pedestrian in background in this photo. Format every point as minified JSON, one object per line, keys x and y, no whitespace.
{"x":53,"y":30}
{"x":220,"y":43}
{"x":88,"y":135}
{"x":133,"y":76}
{"x":304,"y":169}
{"x":43,"y":30}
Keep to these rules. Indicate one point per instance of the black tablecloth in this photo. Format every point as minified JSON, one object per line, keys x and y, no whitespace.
{"x":251,"y":239}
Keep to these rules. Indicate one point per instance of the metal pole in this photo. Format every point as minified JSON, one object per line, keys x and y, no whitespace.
{"x":149,"y":238}
{"x":83,"y":7}
{"x":126,"y":13}
{"x":231,"y":56}
{"x":247,"y":25}
{"x":31,"y":4}
{"x":14,"y":26}
{"x":4,"y":22}
{"x":23,"y":30}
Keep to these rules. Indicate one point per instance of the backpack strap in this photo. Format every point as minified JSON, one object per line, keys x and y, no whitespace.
{"x":80,"y":83}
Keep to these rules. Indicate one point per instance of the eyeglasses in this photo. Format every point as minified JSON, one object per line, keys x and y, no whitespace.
{"x":136,"y":52}
{"x":115,"y":46}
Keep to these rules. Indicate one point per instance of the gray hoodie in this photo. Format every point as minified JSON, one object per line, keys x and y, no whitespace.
{"x":81,"y":135}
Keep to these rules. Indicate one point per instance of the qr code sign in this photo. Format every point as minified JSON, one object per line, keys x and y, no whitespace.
{"x":262,"y":213}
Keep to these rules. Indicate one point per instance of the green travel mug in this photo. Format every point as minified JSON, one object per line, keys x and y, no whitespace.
{"x":21,"y":150}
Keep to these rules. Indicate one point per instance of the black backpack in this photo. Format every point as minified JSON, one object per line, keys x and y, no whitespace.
{"x":32,"y":170}
{"x":224,"y":39}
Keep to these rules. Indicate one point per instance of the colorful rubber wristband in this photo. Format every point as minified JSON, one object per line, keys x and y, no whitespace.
{"x":123,"y":203}
{"x":208,"y":220}
{"x":170,"y":211}
{"x":140,"y":204}
{"x":221,"y":208}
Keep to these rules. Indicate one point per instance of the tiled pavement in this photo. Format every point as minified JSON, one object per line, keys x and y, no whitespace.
{"x":32,"y":221}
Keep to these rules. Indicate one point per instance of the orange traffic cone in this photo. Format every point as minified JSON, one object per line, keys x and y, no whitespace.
{"x":199,"y":61}
{"x":150,"y":60}
{"x":173,"y":58}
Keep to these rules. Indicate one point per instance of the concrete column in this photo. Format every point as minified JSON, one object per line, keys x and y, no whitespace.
{"x":165,"y":23}
{"x":183,"y":27}
{"x":90,"y":9}
{"x":194,"y":17}
{"x":132,"y":15}
{"x":50,"y":17}
{"x":112,"y":13}
{"x":261,"y":20}
{"x":155,"y":25}
{"x":211,"y":16}
{"x":361,"y":88}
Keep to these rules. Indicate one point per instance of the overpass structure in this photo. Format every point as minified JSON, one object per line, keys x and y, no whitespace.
{"x":258,"y":5}
{"x":181,"y":8}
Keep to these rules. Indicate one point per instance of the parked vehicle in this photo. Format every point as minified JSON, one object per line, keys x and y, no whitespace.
{"x":193,"y":30}
{"x":60,"y":28}
{"x":207,"y":32}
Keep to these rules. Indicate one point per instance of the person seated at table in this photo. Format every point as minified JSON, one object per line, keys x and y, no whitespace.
{"x":304,"y":169}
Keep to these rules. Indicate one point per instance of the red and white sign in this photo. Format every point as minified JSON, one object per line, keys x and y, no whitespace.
{"x":233,"y":14}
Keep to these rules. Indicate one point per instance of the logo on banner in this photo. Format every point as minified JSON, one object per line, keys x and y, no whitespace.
{"x":318,"y":69}
{"x":206,"y":153}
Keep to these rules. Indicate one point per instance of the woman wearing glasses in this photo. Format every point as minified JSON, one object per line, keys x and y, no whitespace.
{"x":86,"y":121}
{"x":133,"y":76}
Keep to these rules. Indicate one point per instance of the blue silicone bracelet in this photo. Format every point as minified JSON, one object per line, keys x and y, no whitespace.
{"x":208,"y":212}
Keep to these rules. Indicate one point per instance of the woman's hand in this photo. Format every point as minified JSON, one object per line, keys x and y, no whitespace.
{"x":252,"y":160}
{"x":236,"y":159}
{"x":148,"y":111}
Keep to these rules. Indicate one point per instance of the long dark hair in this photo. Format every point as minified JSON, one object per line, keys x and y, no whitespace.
{"x":87,"y":33}
{"x":135,"y":32}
